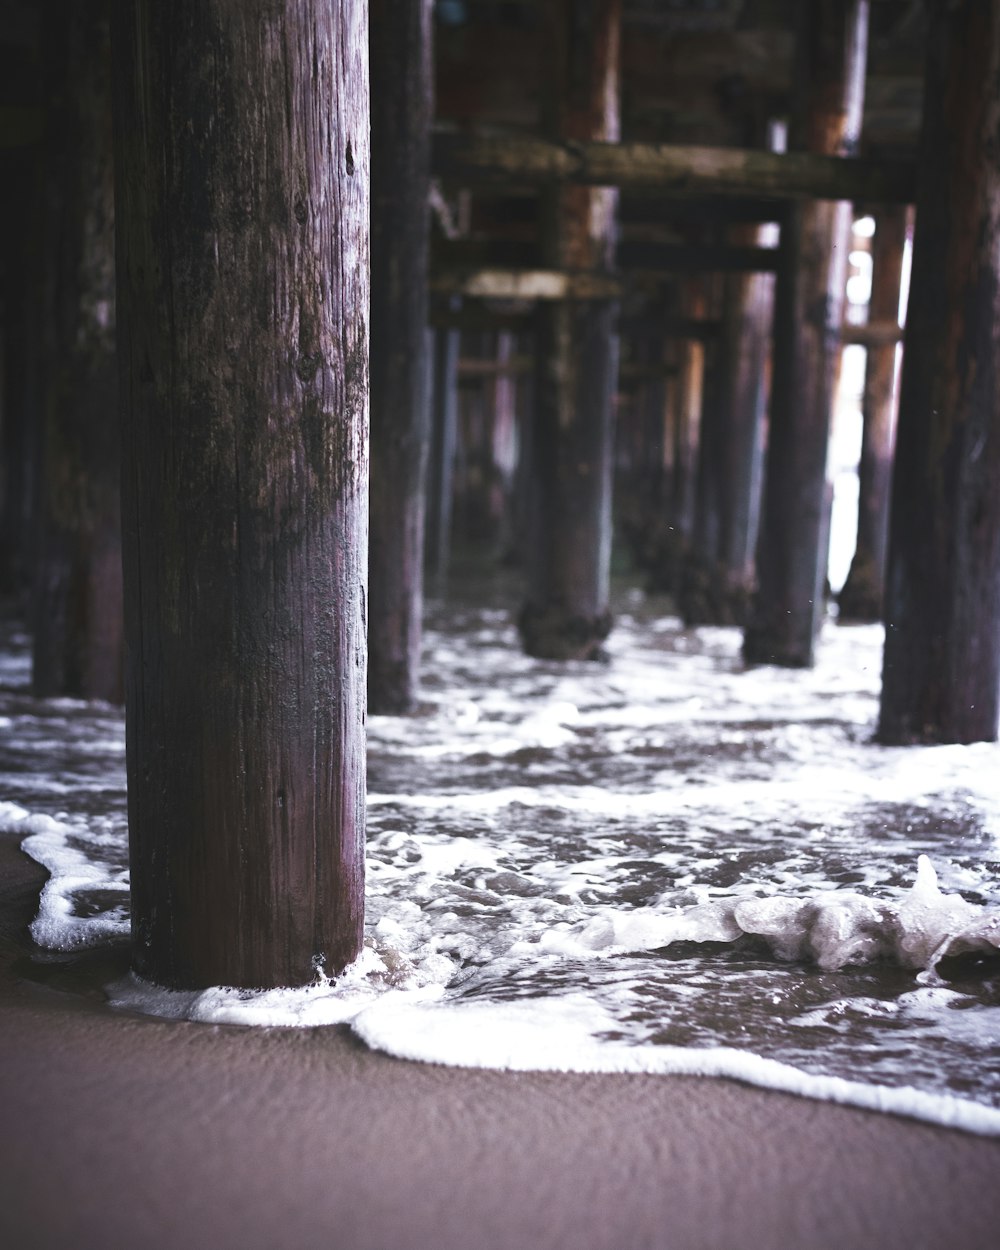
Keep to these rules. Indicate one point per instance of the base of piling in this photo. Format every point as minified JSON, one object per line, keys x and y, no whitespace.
{"x":553,"y":633}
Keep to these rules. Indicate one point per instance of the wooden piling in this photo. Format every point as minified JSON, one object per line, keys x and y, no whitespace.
{"x":444,"y":417}
{"x":809,"y":298}
{"x":21,"y":264}
{"x":401,"y":75}
{"x":746,"y":335}
{"x":861,"y":596}
{"x":566,"y":614}
{"x":242,"y":156}
{"x":941,"y":668}
{"x":718,"y":575}
{"x":77,"y":587}
{"x":641,"y":485}
{"x":696,"y":597}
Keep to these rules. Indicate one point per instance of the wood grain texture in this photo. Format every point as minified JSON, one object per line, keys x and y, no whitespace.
{"x":941,"y":668}
{"x":242,"y":147}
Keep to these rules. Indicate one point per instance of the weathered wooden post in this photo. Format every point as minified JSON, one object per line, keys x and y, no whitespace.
{"x":402,"y":105}
{"x":684,"y":418}
{"x":444,"y":418}
{"x":19,"y":403}
{"x":77,"y":593}
{"x":861,"y":596}
{"x":941,"y":667}
{"x":719,"y":567}
{"x":641,"y":452}
{"x":695,"y":593}
{"x":746,"y":338}
{"x":242,"y":157}
{"x":566,"y":614}
{"x":505,"y":444}
{"x":794,"y":540}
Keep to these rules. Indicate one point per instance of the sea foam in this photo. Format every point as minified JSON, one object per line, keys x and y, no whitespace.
{"x":668,"y":864}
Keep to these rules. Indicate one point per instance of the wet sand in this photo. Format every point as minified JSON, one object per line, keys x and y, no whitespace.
{"x":121,"y":1131}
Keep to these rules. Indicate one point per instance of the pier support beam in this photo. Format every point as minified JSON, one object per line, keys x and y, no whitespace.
{"x":941,"y":668}
{"x":242,"y":157}
{"x":566,"y":615}
{"x":718,"y":573}
{"x":20,"y":264}
{"x":77,"y":590}
{"x":444,"y":419}
{"x":861,"y":597}
{"x":746,"y":335}
{"x":402,"y":104}
{"x":699,"y":577}
{"x":794,"y":541}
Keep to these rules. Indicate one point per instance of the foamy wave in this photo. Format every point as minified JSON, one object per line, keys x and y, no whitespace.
{"x":539,"y":832}
{"x":835,"y":928}
{"x":325,"y":1002}
{"x":558,"y":1035}
{"x":55,"y":844}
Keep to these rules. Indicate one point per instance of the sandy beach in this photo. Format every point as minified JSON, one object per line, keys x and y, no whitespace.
{"x":124,"y":1131}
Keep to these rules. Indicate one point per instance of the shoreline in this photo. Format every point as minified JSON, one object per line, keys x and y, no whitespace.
{"x":122,"y":1129}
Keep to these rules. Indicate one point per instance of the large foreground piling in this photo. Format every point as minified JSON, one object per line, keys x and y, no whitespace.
{"x":809,"y":298}
{"x":566,"y":614}
{"x":77,"y":591}
{"x":242,"y":159}
{"x":401,"y":119}
{"x":941,"y":671}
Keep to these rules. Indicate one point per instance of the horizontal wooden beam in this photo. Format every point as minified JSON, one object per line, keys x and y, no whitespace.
{"x":533,"y":284}
{"x":475,"y":367}
{"x":482,"y":318}
{"x":648,"y":209}
{"x":701,"y":329}
{"x":488,"y":370}
{"x":871,"y":333}
{"x":671,"y":168}
{"x":633,"y":371}
{"x":695,"y":258}
{"x":468,"y":255}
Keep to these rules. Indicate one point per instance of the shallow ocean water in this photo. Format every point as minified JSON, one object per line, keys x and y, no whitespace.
{"x":665,"y":863}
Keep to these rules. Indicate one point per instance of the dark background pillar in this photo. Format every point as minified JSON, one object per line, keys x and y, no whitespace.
{"x":566,"y":614}
{"x":861,"y":596}
{"x":402,"y":103}
{"x":77,"y":586}
{"x":794,"y":540}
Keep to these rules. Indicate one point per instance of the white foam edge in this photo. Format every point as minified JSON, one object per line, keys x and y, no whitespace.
{"x":516,"y":1037}
{"x":47,"y":843}
{"x":326,"y":1001}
